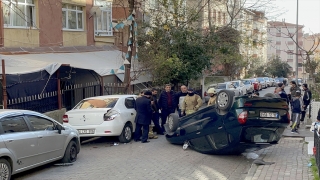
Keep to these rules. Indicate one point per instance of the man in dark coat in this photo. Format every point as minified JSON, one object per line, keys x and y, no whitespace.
{"x":143,"y":117}
{"x":283,"y":93}
{"x":155,"y":113}
{"x":167,"y":104}
{"x":306,"y":100}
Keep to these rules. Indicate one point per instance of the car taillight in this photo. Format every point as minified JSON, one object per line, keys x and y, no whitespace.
{"x":314,"y":150}
{"x":288,"y":116}
{"x":242,"y":118}
{"x":65,"y":118}
{"x":110,"y":116}
{"x":247,"y":104}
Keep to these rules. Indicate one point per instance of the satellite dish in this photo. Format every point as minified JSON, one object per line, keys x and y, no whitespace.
{"x":95,"y":11}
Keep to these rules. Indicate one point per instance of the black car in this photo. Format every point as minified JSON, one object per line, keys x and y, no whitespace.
{"x":232,"y":126}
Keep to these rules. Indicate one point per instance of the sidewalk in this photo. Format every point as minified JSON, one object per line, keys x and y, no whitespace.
{"x":290,"y":156}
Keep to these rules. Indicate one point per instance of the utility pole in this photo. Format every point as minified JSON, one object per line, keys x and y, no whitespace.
{"x":297,"y":43}
{"x":131,"y":39}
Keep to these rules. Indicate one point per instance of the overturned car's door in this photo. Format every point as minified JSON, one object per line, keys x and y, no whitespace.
{"x":211,"y":135}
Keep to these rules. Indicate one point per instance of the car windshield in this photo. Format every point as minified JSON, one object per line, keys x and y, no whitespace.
{"x":260,"y":79}
{"x":246,"y":82}
{"x":253,"y":80}
{"x":97,"y":103}
{"x":221,"y":86}
{"x":235,"y":83}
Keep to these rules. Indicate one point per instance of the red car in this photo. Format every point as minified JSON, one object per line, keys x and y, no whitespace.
{"x":256,"y":85}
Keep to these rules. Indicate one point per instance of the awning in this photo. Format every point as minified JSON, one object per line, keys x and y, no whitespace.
{"x":102,"y":62}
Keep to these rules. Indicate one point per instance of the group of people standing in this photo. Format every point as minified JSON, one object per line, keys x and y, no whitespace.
{"x":150,"y":108}
{"x":298,"y":103}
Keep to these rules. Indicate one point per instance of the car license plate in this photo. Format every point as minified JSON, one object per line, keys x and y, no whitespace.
{"x":86,"y":131}
{"x":268,"y":114}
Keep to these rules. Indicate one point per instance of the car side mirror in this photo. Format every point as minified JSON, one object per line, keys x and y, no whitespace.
{"x":59,"y":128}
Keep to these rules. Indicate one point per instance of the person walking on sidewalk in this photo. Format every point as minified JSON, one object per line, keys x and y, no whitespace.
{"x":307,"y":95}
{"x":293,"y":89}
{"x":192,"y":102}
{"x":283,"y":93}
{"x":167,"y":104}
{"x":297,"y":108}
{"x":180,"y":98}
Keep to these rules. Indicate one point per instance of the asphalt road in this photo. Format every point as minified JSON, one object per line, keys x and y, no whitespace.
{"x":101,"y":159}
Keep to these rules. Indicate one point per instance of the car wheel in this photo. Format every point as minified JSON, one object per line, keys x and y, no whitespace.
{"x":5,"y":169}
{"x":270,"y":95}
{"x":225,"y":99}
{"x":173,"y":122}
{"x":71,"y":153}
{"x":126,"y":134}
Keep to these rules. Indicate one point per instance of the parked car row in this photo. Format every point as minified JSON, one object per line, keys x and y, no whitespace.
{"x":243,"y":86}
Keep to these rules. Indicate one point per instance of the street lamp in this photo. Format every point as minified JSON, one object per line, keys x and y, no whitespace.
{"x":297,"y":43}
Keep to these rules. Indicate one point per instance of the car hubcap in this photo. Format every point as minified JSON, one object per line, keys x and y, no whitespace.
{"x":222,"y":99}
{"x":170,"y":122}
{"x":127,"y":133}
{"x":73,"y":153}
{"x":4,"y":171}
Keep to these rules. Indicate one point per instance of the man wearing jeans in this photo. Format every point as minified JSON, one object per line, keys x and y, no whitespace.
{"x":167,"y":104}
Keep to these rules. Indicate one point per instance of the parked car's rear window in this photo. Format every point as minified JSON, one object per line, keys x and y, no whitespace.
{"x":97,"y":103}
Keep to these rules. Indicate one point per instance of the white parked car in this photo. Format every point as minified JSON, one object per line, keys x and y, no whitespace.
{"x":110,"y":115}
{"x":242,"y":88}
{"x":248,"y":85}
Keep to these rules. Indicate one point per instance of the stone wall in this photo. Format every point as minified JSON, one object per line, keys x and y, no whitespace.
{"x":57,"y":114}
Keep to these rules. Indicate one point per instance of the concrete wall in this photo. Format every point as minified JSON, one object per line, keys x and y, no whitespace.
{"x":57,"y":114}
{"x":71,"y":38}
{"x":14,"y":37}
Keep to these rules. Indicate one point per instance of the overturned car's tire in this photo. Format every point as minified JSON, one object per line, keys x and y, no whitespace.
{"x":173,"y":122}
{"x":271,"y":95}
{"x":225,"y":99}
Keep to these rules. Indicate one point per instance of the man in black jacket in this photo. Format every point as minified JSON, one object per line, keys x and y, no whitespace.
{"x":306,"y":100}
{"x":167,"y":104}
{"x":155,"y":113}
{"x":283,"y":93}
{"x":143,"y":117}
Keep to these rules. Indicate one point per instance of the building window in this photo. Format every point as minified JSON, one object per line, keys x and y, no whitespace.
{"x":290,"y":47}
{"x":224,"y":18}
{"x":278,"y":47}
{"x":72,"y":17}
{"x":18,"y":13}
{"x":214,"y":16}
{"x":289,"y":56}
{"x":103,"y":23}
{"x":219,"y":17}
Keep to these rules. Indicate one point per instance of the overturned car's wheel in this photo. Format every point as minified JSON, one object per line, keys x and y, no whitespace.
{"x":173,"y":122}
{"x":225,"y":99}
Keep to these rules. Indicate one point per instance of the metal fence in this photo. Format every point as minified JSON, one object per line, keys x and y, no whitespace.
{"x":73,"y":94}
{"x":40,"y":102}
{"x":114,"y":88}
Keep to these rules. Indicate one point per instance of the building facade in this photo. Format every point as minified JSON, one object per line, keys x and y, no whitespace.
{"x":37,"y":23}
{"x":281,"y":43}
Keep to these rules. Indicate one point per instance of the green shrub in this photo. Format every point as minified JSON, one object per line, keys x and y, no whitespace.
{"x":314,"y":168}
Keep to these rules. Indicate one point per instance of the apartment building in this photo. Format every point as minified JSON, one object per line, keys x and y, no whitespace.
{"x":281,"y":37}
{"x":252,"y":25}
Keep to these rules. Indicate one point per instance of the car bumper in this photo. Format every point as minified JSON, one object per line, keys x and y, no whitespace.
{"x":104,"y":129}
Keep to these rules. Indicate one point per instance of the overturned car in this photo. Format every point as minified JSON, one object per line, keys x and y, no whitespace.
{"x":232,"y":126}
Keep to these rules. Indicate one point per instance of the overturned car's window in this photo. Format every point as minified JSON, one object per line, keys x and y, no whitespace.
{"x":97,"y":103}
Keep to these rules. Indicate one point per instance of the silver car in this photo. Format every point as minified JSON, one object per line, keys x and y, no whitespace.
{"x":29,"y":139}
{"x":228,"y":86}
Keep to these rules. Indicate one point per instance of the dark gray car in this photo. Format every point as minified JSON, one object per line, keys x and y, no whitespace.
{"x":29,"y":139}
